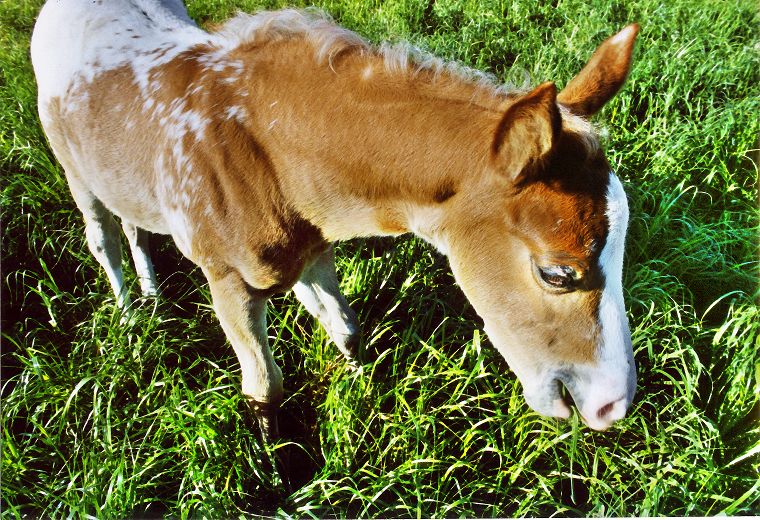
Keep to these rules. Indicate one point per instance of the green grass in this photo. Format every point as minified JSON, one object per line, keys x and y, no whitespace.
{"x":107,"y":417}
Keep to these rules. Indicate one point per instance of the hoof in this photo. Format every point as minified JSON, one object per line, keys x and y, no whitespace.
{"x":266,"y":416}
{"x":352,"y":348}
{"x":357,"y":352}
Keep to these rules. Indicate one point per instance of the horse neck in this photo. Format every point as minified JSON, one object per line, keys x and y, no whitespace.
{"x":363,"y":151}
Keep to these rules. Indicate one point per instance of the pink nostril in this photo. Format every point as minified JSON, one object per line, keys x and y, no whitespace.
{"x":607,"y":414}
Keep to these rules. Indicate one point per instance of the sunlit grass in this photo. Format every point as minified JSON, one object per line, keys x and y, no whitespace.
{"x":109,"y":414}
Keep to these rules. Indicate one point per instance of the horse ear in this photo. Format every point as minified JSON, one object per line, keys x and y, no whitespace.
{"x":527,"y":133}
{"x":602,"y":76}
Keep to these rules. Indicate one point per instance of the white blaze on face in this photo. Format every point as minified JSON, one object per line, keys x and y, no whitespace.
{"x":612,"y":308}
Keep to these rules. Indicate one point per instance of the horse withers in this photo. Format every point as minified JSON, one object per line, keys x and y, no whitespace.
{"x":260,"y":144}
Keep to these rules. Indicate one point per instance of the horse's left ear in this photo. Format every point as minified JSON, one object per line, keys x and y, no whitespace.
{"x":527,"y":133}
{"x":602,"y":76}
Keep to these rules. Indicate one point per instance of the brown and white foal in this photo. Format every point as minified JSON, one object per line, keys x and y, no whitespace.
{"x":257,"y":146}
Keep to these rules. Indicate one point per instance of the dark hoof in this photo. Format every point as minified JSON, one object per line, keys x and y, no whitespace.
{"x":353,"y":350}
{"x":266,"y":415}
{"x":363,"y":354}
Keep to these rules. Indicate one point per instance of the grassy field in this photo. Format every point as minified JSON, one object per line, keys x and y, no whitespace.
{"x":109,"y":418}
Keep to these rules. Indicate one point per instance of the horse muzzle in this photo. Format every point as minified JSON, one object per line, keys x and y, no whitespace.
{"x":601,"y":394}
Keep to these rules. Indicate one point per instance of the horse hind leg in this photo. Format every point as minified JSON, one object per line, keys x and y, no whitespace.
{"x":138,"y":239}
{"x":319,"y":292}
{"x":103,"y":238}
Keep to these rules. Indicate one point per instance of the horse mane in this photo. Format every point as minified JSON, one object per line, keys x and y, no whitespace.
{"x":330,"y":40}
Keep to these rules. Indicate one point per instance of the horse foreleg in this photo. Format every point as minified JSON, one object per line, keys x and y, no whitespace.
{"x":319,"y":292}
{"x":242,"y":313}
{"x":102,"y":236}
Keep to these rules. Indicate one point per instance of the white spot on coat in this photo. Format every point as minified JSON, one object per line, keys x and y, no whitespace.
{"x":235,"y":112}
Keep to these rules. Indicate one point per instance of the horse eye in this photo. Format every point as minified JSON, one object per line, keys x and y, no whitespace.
{"x":558,"y":276}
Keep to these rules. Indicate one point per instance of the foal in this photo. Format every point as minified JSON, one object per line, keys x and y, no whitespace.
{"x":257,"y":146}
